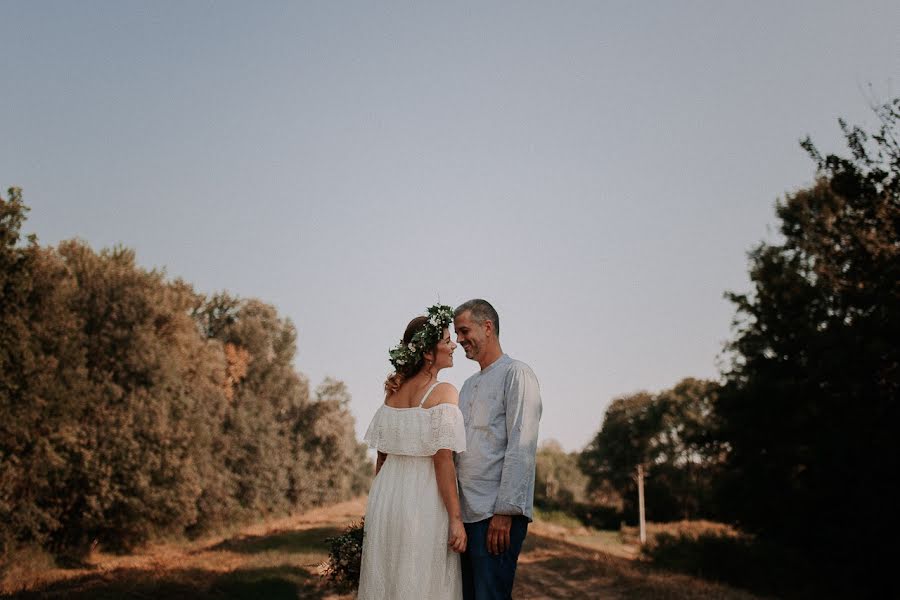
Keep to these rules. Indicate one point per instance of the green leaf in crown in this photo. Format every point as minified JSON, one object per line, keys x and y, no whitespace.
{"x":440,"y":316}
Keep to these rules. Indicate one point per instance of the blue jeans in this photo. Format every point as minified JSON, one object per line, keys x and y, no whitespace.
{"x":490,"y":576}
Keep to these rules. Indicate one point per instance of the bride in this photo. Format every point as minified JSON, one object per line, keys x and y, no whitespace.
{"x":413,"y":528}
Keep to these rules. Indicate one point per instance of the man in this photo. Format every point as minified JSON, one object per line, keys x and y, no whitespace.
{"x":501,"y":406}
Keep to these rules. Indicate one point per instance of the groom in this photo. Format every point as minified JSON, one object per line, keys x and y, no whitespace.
{"x":501,"y":406}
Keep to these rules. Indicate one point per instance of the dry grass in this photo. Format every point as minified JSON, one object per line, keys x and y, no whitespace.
{"x":274,"y":559}
{"x":278,"y":560}
{"x":681,"y":529}
{"x":578,"y":562}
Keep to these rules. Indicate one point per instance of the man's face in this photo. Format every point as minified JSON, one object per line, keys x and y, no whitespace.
{"x":470,"y":334}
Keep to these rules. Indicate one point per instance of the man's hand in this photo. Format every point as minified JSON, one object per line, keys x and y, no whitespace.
{"x":498,"y":534}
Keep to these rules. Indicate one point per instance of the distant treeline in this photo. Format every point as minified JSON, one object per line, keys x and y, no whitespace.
{"x":133,"y":407}
{"x":670,"y":433}
{"x":797,"y":443}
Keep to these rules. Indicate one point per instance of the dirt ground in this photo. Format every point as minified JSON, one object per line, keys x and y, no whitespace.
{"x":279,"y":560}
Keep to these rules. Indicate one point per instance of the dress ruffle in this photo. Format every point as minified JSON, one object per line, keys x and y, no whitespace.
{"x":417,"y":431}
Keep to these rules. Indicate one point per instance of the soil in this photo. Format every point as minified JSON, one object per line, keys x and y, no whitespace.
{"x":279,"y":559}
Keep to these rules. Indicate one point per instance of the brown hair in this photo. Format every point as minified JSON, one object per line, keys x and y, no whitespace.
{"x":396,"y":379}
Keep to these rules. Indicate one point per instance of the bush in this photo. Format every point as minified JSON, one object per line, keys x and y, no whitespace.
{"x":721,"y":553}
{"x":345,"y":558}
{"x":589,"y":515}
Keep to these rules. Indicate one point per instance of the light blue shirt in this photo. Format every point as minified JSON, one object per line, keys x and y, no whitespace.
{"x":501,"y":407}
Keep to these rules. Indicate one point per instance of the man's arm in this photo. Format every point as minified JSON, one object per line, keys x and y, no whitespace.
{"x":523,"y":413}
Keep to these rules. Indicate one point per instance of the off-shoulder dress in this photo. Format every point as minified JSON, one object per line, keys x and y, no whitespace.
{"x":405,"y":552}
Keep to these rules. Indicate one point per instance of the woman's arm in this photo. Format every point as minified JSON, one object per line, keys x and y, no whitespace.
{"x":445,"y":471}
{"x":381,"y":457}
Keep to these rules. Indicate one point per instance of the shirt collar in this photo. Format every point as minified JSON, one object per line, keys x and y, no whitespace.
{"x":503,"y":358}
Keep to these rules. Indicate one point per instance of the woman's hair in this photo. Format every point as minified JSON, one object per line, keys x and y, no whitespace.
{"x":404,"y":372}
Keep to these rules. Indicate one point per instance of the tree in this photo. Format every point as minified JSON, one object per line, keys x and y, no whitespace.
{"x":337,"y":465}
{"x":19,"y":358}
{"x":623,"y":442}
{"x":558,"y":480}
{"x":688,"y":456}
{"x":131,"y":475}
{"x":132,"y":407}
{"x":671,"y":435}
{"x":811,"y":400}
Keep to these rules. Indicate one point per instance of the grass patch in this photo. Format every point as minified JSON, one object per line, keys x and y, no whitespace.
{"x":599,"y":538}
{"x":22,"y":568}
{"x":556,"y":517}
{"x":574,"y":530}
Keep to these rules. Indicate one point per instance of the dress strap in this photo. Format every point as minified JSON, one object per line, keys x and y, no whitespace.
{"x":428,"y":393}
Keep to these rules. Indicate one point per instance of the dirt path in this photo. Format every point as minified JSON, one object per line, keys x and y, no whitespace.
{"x":278,"y":560}
{"x":553,"y":566}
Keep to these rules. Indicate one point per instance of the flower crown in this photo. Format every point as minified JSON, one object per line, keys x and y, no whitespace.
{"x":439,"y":318}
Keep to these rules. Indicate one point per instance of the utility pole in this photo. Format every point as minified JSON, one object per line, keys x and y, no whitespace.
{"x":642,"y":516}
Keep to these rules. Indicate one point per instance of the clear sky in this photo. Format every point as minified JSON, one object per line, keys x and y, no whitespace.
{"x":597,"y":170}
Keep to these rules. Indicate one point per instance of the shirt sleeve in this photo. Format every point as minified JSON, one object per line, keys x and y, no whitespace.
{"x":523,"y":413}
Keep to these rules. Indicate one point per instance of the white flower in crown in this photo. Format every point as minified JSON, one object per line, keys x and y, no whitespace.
{"x":435,"y":320}
{"x":411,"y":346}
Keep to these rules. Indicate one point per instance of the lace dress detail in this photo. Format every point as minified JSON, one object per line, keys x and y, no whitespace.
{"x":405,"y":553}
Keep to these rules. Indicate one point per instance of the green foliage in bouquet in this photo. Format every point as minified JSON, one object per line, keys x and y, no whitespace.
{"x":344,"y":558}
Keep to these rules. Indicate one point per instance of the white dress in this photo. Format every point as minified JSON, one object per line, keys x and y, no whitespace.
{"x":405,"y":555}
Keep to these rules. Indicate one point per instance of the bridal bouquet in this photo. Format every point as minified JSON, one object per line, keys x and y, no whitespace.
{"x":344,"y":557}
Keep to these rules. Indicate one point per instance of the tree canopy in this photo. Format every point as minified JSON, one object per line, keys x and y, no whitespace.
{"x":132,"y":406}
{"x":669,"y":433}
{"x":810,"y":403}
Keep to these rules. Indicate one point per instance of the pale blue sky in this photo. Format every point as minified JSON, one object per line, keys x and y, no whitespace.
{"x":597,"y":170}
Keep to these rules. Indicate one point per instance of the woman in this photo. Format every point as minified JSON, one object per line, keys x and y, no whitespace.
{"x":413,"y":530}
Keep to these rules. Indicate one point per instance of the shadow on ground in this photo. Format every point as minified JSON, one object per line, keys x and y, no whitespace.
{"x":284,"y":574}
{"x":302,"y":541}
{"x":273,"y":583}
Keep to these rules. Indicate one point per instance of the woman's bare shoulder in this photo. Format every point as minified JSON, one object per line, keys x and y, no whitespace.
{"x":444,"y":393}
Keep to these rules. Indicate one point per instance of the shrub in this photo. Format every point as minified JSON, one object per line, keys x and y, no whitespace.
{"x":345,"y":557}
{"x":721,"y":553}
{"x":588,"y":514}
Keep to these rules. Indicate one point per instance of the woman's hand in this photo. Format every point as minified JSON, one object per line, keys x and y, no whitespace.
{"x":458,"y":538}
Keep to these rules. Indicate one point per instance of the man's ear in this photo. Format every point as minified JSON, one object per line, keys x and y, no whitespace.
{"x":489,"y":328}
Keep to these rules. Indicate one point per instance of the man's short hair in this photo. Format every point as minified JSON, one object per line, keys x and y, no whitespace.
{"x":481,"y":311}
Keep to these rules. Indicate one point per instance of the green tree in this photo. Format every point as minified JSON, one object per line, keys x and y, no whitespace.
{"x":134,"y":476}
{"x":19,"y":361}
{"x":256,"y":431}
{"x":42,"y":383}
{"x":811,"y":403}
{"x":337,"y":465}
{"x":687,"y":456}
{"x":623,"y":442}
{"x":672,"y":435}
{"x":132,"y":407}
{"x":558,"y":479}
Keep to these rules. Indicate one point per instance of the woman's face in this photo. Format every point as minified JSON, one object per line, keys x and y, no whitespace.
{"x":443,"y":352}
